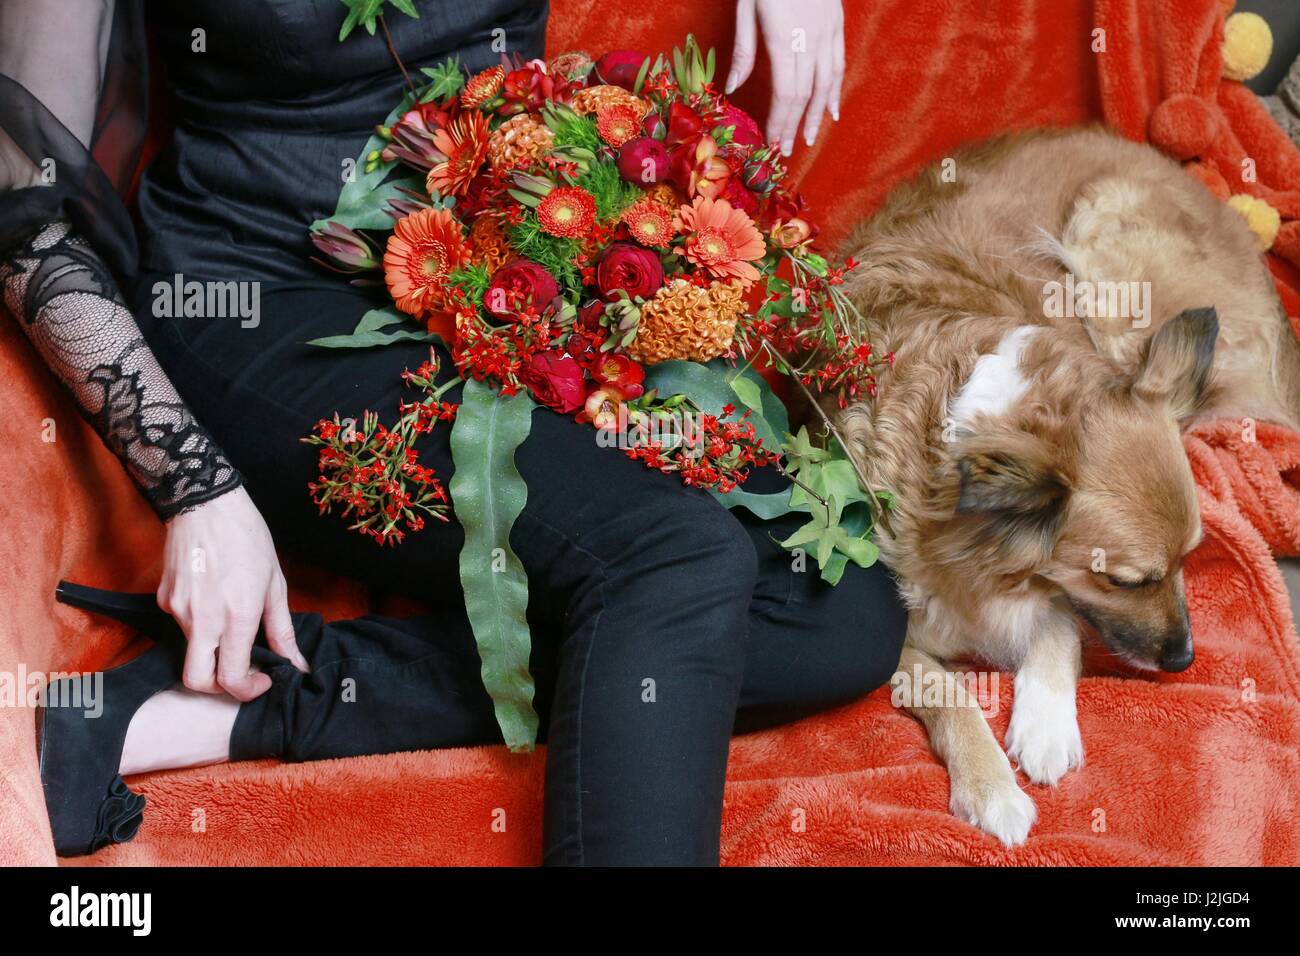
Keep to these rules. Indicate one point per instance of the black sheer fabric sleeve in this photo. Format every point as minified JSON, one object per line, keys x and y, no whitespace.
{"x":68,"y":304}
{"x":72,"y":117}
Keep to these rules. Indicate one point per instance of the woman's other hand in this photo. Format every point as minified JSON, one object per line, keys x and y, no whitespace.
{"x":221,"y":579}
{"x":805,"y":43}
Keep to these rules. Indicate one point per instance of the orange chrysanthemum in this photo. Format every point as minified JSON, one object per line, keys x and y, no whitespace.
{"x":488,"y":246}
{"x":482,"y":87}
{"x":424,"y":247}
{"x":464,"y":142}
{"x":568,"y":212}
{"x":720,"y":239}
{"x":649,"y":222}
{"x":617,"y":124}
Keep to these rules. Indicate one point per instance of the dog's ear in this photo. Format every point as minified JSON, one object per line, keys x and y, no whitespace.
{"x":1176,"y":365}
{"x":1012,"y":474}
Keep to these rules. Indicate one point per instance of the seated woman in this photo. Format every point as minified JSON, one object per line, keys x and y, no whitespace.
{"x":633,"y":576}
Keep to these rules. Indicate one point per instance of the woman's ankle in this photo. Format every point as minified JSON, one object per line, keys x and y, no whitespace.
{"x":179,"y":728}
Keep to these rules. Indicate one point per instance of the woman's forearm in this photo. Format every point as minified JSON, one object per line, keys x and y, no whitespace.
{"x":66,"y":301}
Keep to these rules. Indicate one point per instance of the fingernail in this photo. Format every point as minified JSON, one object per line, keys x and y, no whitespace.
{"x":787,"y":147}
{"x":810,"y":136}
{"x":835,"y":112}
{"x":731,"y":83}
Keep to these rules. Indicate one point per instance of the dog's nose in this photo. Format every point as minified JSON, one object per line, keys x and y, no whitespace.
{"x":1177,"y":654}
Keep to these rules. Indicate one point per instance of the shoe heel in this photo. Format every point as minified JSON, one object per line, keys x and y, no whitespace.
{"x":140,"y":611}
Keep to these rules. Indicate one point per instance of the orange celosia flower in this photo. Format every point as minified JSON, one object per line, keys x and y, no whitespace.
{"x":424,"y":247}
{"x":649,"y":222}
{"x":464,"y":141}
{"x":617,"y":124}
{"x":720,"y":239}
{"x":568,"y":212}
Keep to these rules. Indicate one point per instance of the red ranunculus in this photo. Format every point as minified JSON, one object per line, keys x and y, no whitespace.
{"x":589,"y":316}
{"x":635,"y":270}
{"x":643,"y":160}
{"x":556,"y":381}
{"x":518,"y":285}
{"x":620,"y":67}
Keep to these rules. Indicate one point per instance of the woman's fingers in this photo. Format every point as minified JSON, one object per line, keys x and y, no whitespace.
{"x":235,"y":673}
{"x":792,"y":81}
{"x":200,"y":671}
{"x":837,"y":69}
{"x":278,"y":625}
{"x":746,"y":48}
{"x":821,"y":94}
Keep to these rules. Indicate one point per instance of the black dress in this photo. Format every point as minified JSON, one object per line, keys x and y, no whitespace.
{"x":661,"y":621}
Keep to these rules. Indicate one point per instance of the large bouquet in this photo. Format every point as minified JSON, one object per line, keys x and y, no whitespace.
{"x":613,"y":240}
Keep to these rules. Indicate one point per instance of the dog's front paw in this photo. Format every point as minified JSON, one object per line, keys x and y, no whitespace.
{"x":1043,"y":736}
{"x":997,"y":806}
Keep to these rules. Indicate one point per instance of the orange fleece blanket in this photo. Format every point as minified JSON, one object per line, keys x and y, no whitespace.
{"x":1195,"y":768}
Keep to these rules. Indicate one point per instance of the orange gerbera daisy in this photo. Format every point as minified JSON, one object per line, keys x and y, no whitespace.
{"x":720,"y":239}
{"x":464,"y":141}
{"x":424,"y":247}
{"x":482,"y":87}
{"x":568,"y":212}
{"x":649,"y":222}
{"x":618,"y":123}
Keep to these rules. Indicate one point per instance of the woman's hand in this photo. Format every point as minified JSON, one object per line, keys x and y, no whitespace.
{"x":805,"y":42}
{"x":221,"y":578}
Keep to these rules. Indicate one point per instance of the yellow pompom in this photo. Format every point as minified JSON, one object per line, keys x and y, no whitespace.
{"x":1247,"y":45}
{"x":1263,"y":220}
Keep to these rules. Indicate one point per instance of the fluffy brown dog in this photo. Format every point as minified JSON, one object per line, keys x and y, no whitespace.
{"x":1059,"y":305}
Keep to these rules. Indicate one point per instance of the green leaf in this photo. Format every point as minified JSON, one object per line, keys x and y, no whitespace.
{"x":747,"y":392}
{"x":368,"y":332}
{"x":709,"y":387}
{"x":406,"y":7}
{"x":488,"y":493}
{"x":366,"y":209}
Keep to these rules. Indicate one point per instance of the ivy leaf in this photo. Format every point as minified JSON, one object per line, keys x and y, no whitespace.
{"x":446,"y":79}
{"x":366,"y":12}
{"x":488,"y":493}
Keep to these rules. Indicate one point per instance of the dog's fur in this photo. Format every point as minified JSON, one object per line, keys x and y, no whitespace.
{"x":1036,"y":461}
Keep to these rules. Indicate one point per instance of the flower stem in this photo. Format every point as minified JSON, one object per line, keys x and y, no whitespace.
{"x":388,"y":38}
{"x":878,"y":513}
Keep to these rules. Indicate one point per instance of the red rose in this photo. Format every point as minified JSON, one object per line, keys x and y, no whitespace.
{"x":643,"y":160}
{"x":620,"y":67}
{"x":589,"y":317}
{"x":556,"y":381}
{"x":519,"y":285}
{"x":635,"y":270}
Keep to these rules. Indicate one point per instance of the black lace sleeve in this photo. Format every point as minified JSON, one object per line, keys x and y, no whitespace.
{"x":67,"y":302}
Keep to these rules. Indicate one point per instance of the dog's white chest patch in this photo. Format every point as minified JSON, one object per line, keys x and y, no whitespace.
{"x":997,"y":381}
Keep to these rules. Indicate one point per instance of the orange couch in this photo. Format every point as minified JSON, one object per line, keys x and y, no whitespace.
{"x":1201,"y":767}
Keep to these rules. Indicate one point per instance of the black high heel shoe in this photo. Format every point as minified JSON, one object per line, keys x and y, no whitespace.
{"x":83,"y":727}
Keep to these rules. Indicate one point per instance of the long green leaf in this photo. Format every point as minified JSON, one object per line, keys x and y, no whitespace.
{"x":487,"y":494}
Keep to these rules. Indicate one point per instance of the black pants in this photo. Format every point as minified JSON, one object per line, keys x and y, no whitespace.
{"x":661,"y":621}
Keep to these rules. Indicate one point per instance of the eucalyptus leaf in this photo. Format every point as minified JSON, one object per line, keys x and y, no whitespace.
{"x":367,"y":209}
{"x":369,"y":332}
{"x":488,"y":494}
